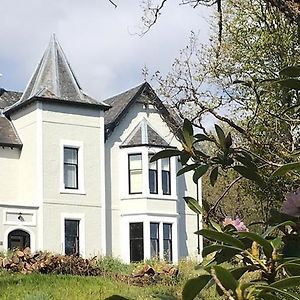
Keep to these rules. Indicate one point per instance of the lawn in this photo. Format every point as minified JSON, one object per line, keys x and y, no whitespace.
{"x":43,"y":287}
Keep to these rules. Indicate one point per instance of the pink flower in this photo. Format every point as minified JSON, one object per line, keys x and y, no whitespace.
{"x":291,"y":205}
{"x":237,"y":223}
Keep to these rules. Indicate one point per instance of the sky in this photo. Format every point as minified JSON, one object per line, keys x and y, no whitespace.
{"x":103,"y":45}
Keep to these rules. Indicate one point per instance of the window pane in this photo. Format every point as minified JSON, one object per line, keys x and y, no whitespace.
{"x":153,"y":181}
{"x":135,"y":173}
{"x":154,"y":230}
{"x":167,"y":237}
{"x":70,"y":176}
{"x":154,"y":240}
{"x":136,"y":236}
{"x":136,"y":181}
{"x":165,"y":164}
{"x":71,"y":237}
{"x":166,"y":182}
{"x":167,"y":229}
{"x":70,"y":155}
{"x":136,"y":230}
{"x":135,"y":161}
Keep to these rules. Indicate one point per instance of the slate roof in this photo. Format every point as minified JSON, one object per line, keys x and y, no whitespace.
{"x":8,"y":98}
{"x":55,"y":79}
{"x":8,"y":134}
{"x":120,"y":105}
{"x":144,"y":135}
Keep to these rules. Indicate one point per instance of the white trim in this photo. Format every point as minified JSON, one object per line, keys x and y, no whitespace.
{"x":146,"y":219}
{"x":19,"y":211}
{"x":78,"y":145}
{"x":26,"y":229}
{"x":81,"y":219}
{"x":40,"y":174}
{"x":145,"y":151}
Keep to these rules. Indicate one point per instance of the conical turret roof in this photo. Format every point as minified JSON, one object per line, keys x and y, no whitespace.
{"x":55,"y":79}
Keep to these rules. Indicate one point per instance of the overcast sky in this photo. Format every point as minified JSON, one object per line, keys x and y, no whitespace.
{"x":100,"y":42}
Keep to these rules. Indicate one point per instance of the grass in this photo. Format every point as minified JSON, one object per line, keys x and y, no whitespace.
{"x":51,"y":287}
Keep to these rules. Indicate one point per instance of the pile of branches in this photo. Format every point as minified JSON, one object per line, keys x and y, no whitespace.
{"x":47,"y":263}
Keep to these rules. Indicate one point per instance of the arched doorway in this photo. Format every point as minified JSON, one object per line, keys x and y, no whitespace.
{"x":18,"y":239}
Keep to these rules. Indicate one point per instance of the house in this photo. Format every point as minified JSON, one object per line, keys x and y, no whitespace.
{"x":75,"y":171}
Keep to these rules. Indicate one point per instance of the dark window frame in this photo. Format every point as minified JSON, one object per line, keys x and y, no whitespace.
{"x":129,"y":173}
{"x":76,"y":187}
{"x":168,"y":172}
{"x":169,"y":240}
{"x":76,"y":237}
{"x":155,"y":171}
{"x":133,"y":240}
{"x":156,"y":239}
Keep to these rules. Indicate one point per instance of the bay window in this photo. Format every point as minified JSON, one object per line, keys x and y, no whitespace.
{"x":154,"y":240}
{"x":167,"y":238}
{"x":136,"y":238}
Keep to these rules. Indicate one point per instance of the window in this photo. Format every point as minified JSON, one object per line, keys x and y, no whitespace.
{"x":71,"y":168}
{"x":152,"y":176}
{"x":165,"y":174}
{"x":135,"y":174}
{"x":154,"y":240}
{"x":72,"y":237}
{"x":136,"y":237}
{"x":167,"y":240}
{"x":18,"y":239}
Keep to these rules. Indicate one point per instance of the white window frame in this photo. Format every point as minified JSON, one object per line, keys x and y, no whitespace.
{"x":79,"y":146}
{"x":146,"y":151}
{"x":76,"y":217}
{"x":146,"y":219}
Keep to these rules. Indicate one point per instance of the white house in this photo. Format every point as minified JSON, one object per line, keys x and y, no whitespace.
{"x":75,"y":172}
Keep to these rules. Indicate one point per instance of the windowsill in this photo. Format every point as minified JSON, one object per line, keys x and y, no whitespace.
{"x":150,"y":197}
{"x":73,"y":191}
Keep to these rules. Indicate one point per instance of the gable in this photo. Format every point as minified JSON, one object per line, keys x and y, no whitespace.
{"x":144,"y":135}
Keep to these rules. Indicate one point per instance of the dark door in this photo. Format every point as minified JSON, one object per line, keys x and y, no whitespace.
{"x":18,"y":239}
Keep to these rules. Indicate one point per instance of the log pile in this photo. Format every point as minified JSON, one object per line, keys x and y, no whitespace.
{"x":47,"y":263}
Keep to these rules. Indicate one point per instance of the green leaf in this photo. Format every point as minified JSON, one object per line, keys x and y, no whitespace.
{"x":286,"y":168}
{"x":266,"y":245}
{"x":116,"y":297}
{"x":186,"y":169}
{"x":213,"y":248}
{"x":282,"y":224}
{"x":292,"y":268}
{"x":286,"y":282}
{"x":237,"y":273}
{"x":290,"y":83}
{"x":269,"y":297}
{"x":188,"y":133}
{"x":201,"y":137}
{"x":228,"y":141}
{"x":184,"y":157}
{"x":226,"y":278}
{"x":221,"y":237}
{"x":214,"y":175}
{"x":193,"y":205}
{"x":221,"y":136}
{"x":165,"y":297}
{"x":194,"y":286}
{"x":164,"y":154}
{"x":248,"y":173}
{"x":247,"y":162}
{"x":214,"y":224}
{"x":292,"y":71}
{"x":276,"y":290}
{"x":199,"y":172}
